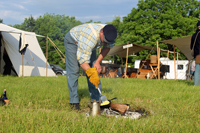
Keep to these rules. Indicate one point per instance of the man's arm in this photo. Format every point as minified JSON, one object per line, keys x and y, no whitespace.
{"x":103,"y":53}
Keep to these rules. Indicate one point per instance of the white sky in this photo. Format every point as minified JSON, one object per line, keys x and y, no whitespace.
{"x":15,"y":11}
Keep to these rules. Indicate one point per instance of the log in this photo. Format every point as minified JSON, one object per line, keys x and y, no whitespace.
{"x":121,"y":108}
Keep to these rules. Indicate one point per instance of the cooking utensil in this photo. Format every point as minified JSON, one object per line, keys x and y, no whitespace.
{"x":106,"y":103}
{"x":102,"y":97}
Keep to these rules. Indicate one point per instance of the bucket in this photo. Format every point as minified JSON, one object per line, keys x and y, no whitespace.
{"x":154,"y":59}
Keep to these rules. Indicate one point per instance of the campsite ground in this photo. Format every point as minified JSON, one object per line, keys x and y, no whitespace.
{"x":40,"y":104}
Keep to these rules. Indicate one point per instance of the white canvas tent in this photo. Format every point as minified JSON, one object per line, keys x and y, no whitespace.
{"x":34,"y":59}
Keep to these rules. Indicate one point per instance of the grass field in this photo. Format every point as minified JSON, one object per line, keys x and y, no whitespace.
{"x":40,"y":104}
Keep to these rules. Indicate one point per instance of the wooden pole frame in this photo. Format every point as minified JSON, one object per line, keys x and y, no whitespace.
{"x":177,"y":65}
{"x":158,"y":57}
{"x":113,"y":62}
{"x":174,"y":64}
{"x":167,"y":61}
{"x":125,"y":76}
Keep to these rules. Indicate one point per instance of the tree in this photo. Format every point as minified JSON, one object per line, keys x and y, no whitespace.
{"x":1,"y":20}
{"x":53,"y":26}
{"x":156,"y":20}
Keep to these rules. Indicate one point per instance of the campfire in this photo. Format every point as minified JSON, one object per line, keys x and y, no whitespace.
{"x":117,"y":110}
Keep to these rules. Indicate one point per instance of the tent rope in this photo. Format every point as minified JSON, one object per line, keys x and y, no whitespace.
{"x":62,"y":56}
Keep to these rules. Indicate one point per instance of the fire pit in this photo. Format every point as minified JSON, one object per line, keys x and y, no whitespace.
{"x":110,"y":112}
{"x":128,"y":114}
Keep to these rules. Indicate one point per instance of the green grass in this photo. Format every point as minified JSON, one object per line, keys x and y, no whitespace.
{"x":40,"y":104}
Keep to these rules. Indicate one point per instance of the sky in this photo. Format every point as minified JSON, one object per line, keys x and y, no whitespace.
{"x":15,"y":11}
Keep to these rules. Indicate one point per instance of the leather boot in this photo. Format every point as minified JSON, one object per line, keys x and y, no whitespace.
{"x":75,"y":106}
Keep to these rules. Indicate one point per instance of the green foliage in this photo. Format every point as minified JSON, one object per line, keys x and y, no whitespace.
{"x":151,"y":21}
{"x":1,"y":20}
{"x":53,"y":26}
{"x":160,"y":20}
{"x":41,"y":105}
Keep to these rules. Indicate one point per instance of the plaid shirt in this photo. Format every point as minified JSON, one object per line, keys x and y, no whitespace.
{"x":87,"y":41}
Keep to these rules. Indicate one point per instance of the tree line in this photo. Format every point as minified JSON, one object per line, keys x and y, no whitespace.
{"x":151,"y":21}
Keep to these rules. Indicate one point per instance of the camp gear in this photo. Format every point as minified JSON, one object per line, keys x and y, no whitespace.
{"x":93,"y":76}
{"x":2,"y":102}
{"x":4,"y":94}
{"x":103,"y":98}
{"x":107,"y":103}
{"x":95,"y":108}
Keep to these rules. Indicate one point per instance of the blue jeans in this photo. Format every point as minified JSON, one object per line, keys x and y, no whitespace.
{"x":197,"y":75}
{"x":73,"y":67}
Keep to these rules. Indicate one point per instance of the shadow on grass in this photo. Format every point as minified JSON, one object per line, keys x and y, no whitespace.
{"x":190,"y":83}
{"x":85,"y":92}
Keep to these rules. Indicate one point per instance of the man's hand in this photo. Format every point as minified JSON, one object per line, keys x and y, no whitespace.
{"x":93,"y":76}
{"x":98,"y":66}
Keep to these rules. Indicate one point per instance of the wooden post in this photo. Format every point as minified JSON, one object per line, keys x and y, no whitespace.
{"x":157,"y":48}
{"x":158,"y":58}
{"x":174,"y":64}
{"x":158,"y":63}
{"x":167,"y":61}
{"x":125,"y":76}
{"x":113,"y":59}
{"x":177,"y":66}
{"x":46,"y":55}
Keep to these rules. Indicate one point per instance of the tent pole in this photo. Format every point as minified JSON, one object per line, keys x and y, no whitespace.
{"x":122,"y":61}
{"x":46,"y":55}
{"x":167,"y":61}
{"x":22,"y":64}
{"x":113,"y":59}
{"x":125,"y":76}
{"x":177,"y":65}
{"x":158,"y":63}
{"x":158,"y":58}
{"x":174,"y":64}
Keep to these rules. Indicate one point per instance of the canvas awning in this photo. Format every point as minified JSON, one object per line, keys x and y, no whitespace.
{"x":183,"y":44}
{"x":118,"y":50}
